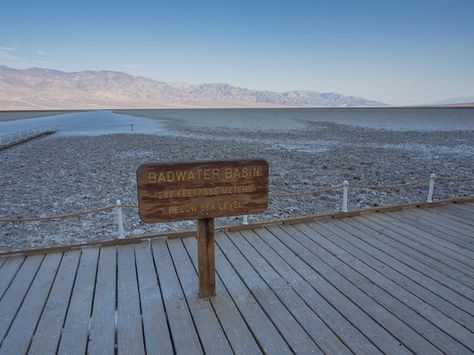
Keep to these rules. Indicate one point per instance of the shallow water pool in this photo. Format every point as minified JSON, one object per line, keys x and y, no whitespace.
{"x":90,"y":123}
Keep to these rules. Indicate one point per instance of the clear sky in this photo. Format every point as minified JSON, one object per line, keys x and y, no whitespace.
{"x":401,"y":52}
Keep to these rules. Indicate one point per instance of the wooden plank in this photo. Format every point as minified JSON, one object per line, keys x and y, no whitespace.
{"x":455,"y":330}
{"x":264,"y":330}
{"x":8,"y":272}
{"x":48,"y":332}
{"x":239,"y":335}
{"x":129,"y":324}
{"x":468,"y":206}
{"x":449,"y":232}
{"x":437,"y":234}
{"x":207,"y":266}
{"x":456,"y":224}
{"x":360,"y":269}
{"x":19,"y":336}
{"x":410,"y":279}
{"x":449,"y":212}
{"x":321,"y":334}
{"x":294,"y":334}
{"x":425,"y":238}
{"x":210,"y":332}
{"x":462,"y":235}
{"x":24,"y":140}
{"x":452,"y":303}
{"x":444,"y":274}
{"x":413,"y":330}
{"x":464,"y":211}
{"x":201,"y":189}
{"x":460,"y":215}
{"x":76,"y":328}
{"x":297,"y":272}
{"x":102,"y":329}
{"x":370,"y":318}
{"x":155,"y":327}
{"x":451,"y":221}
{"x":183,"y":332}
{"x":13,"y":297}
{"x":461,"y":210}
{"x":416,"y":244}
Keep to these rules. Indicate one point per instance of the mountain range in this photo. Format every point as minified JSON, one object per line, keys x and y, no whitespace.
{"x":457,"y":101}
{"x":38,"y":88}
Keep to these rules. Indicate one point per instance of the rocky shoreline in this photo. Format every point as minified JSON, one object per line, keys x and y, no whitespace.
{"x":57,"y":175}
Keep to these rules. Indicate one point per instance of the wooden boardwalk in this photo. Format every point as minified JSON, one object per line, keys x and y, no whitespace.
{"x":394,"y":282}
{"x":24,"y":139}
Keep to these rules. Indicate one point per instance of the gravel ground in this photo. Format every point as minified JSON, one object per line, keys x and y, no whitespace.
{"x":57,"y":175}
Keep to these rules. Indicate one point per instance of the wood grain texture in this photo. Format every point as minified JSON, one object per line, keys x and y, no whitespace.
{"x":201,"y":189}
{"x":23,"y":328}
{"x":375,"y":283}
{"x":9,"y":270}
{"x":207,"y":266}
{"x":292,"y":267}
{"x":293,"y":333}
{"x":48,"y":332}
{"x":210,"y":331}
{"x":238,"y":333}
{"x":422,"y":335}
{"x":155,"y":327}
{"x":76,"y":328}
{"x":347,"y":298}
{"x":102,"y":329}
{"x":13,"y":298}
{"x":325,"y":339}
{"x":129,"y":321}
{"x":183,"y":332}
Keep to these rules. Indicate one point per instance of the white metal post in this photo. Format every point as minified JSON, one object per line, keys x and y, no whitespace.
{"x":118,"y":209}
{"x":245,"y":219}
{"x":431,"y":187}
{"x":345,"y":187}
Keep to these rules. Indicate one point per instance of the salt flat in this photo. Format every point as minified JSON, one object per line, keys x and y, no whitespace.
{"x":68,"y":173}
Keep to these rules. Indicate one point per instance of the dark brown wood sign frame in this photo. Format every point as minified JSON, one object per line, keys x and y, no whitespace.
{"x":202,"y":190}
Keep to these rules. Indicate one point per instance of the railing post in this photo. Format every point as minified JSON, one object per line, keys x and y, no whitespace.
{"x":118,"y":209}
{"x":245,"y":219}
{"x":345,"y":187}
{"x":431,"y":187}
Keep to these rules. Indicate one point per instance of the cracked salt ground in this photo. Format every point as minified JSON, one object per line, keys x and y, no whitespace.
{"x":68,"y":174}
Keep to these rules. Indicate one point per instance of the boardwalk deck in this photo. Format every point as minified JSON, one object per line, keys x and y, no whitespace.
{"x":392,"y":282}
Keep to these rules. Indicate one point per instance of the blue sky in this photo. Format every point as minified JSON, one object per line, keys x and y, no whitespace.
{"x":397,"y":51}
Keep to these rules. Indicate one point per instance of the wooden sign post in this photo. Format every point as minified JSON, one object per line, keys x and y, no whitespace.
{"x":207,"y":265}
{"x":202,"y":190}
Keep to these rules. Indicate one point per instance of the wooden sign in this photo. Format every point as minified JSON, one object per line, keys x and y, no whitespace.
{"x":201,"y":189}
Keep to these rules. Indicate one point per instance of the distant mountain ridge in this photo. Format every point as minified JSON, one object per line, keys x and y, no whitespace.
{"x":37,"y":88}
{"x":456,"y":101}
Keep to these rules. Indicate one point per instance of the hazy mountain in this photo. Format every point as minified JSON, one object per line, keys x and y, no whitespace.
{"x":456,"y":101}
{"x":36,"y":88}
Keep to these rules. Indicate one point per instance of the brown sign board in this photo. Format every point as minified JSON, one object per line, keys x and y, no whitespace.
{"x":201,"y":189}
